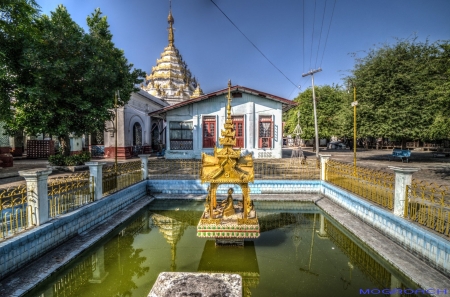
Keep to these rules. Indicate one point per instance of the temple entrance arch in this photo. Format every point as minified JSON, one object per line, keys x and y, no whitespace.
{"x":155,"y":136}
{"x":137,"y":134}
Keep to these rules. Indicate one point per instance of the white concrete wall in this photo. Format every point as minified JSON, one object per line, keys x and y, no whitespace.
{"x":76,"y":144}
{"x":135,"y":111}
{"x":249,"y":106}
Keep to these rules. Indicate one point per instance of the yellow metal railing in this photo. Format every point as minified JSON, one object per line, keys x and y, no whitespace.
{"x":286,"y":169}
{"x":14,"y":211}
{"x":263,"y":169}
{"x":128,"y":174}
{"x":428,"y":204}
{"x":69,"y":192}
{"x":374,"y":185}
{"x":174,"y":169}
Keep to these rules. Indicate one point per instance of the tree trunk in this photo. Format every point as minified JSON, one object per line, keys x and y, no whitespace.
{"x":403,"y":144}
{"x":64,"y":142}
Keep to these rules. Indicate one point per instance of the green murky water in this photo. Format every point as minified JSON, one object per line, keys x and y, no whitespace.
{"x":300,"y":253}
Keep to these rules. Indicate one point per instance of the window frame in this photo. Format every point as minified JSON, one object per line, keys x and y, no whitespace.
{"x":209,"y":141}
{"x":265,"y":139}
{"x":182,"y":143}
{"x":240,"y":140}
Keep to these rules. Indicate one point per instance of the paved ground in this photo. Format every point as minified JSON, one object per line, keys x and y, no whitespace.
{"x":432,"y":169}
{"x":436,"y":170}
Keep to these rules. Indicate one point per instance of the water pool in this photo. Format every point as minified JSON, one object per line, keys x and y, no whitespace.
{"x":301,"y":252}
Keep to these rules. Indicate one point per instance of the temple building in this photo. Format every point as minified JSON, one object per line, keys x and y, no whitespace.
{"x":193,"y":125}
{"x":171,"y":80}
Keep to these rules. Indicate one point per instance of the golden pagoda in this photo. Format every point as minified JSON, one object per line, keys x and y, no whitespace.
{"x":227,"y":219}
{"x":170,"y":79}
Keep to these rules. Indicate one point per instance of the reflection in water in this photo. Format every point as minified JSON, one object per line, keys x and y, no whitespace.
{"x":172,"y":231}
{"x":357,"y":256}
{"x":239,"y":260}
{"x":109,"y":270}
{"x":297,"y":254}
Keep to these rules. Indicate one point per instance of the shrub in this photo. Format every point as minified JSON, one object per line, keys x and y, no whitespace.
{"x":73,"y":160}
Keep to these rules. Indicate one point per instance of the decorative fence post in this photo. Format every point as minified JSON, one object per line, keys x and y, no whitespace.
{"x":323,"y":161}
{"x":403,"y":178}
{"x":96,"y":178}
{"x":144,"y":165}
{"x":37,"y":195}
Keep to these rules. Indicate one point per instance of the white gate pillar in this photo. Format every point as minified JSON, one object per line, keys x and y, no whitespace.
{"x":323,"y":161}
{"x":37,"y":195}
{"x":96,"y":178}
{"x":144,"y":165}
{"x":403,"y":178}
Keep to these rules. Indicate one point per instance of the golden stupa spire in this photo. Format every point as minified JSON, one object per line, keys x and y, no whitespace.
{"x":170,"y":20}
{"x":228,"y":139}
{"x":229,"y":102}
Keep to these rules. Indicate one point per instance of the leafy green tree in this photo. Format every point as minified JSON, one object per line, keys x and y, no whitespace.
{"x":333,"y":105}
{"x":71,"y":78}
{"x":16,"y":27}
{"x":402,"y":91}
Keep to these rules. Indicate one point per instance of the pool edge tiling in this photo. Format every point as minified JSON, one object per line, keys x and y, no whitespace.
{"x":409,"y":265}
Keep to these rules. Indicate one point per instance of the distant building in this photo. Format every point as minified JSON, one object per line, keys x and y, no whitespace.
{"x":193,"y":126}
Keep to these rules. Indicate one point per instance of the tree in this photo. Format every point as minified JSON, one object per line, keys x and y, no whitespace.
{"x":332,"y":111}
{"x":16,"y":26}
{"x":401,"y":91}
{"x":70,"y":78}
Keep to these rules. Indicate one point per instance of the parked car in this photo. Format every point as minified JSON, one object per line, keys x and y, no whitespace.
{"x":336,"y":145}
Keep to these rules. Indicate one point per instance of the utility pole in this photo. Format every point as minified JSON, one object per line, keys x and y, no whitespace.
{"x":311,"y":72}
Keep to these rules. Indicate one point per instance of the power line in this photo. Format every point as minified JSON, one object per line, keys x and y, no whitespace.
{"x":320,"y":36}
{"x":331,"y":20}
{"x":312,"y":34}
{"x":303,"y":41}
{"x":254,"y":44}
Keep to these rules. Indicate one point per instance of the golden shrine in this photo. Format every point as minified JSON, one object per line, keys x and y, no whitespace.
{"x":227,"y":220}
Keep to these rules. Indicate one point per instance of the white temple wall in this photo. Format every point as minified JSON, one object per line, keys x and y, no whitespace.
{"x":251,"y":107}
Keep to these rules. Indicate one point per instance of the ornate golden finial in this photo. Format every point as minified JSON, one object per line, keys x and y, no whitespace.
{"x":197,"y":92}
{"x":171,"y":20}
{"x":229,"y":101}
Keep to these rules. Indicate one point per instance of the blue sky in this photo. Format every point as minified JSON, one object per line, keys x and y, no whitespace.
{"x":216,"y":51}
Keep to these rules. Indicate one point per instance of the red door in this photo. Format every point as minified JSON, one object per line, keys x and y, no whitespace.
{"x":209,"y":132}
{"x":238,"y":123}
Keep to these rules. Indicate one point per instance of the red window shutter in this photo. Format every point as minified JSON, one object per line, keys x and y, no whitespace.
{"x":239,"y":128}
{"x":209,"y":132}
{"x":265,"y":132}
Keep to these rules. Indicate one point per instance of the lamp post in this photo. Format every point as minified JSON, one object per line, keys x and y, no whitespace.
{"x":354,"y":104}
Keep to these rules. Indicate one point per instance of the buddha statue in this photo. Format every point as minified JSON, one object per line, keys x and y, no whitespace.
{"x":228,"y":207}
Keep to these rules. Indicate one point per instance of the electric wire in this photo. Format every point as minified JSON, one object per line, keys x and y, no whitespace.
{"x":326,"y":39}
{"x":312,"y":34}
{"x":254,"y":45}
{"x":303,"y":41}
{"x":320,"y":36}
